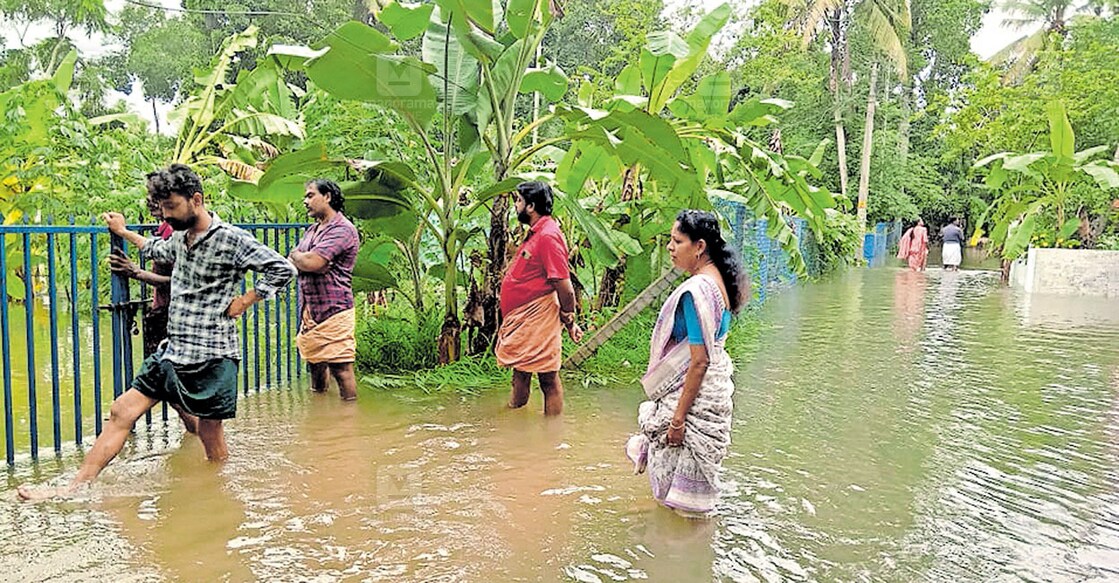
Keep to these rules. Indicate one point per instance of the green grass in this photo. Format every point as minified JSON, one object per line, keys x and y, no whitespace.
{"x":471,"y":375}
{"x":395,"y":354}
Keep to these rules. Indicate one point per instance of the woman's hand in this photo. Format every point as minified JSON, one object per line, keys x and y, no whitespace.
{"x":675,"y":436}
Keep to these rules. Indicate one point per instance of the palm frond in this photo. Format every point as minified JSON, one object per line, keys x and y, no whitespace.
{"x":1021,"y":56}
{"x":812,"y":13}
{"x":886,"y":30}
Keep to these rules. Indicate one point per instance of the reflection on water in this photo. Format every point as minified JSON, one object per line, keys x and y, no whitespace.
{"x":890,"y":426}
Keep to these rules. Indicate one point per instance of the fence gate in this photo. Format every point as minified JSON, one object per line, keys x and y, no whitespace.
{"x":59,"y":272}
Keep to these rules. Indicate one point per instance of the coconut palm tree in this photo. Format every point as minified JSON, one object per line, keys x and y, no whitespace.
{"x":1053,"y":17}
{"x":887,"y":22}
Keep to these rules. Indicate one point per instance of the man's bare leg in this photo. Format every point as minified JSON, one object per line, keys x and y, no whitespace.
{"x":190,"y":422}
{"x":123,"y":413}
{"x":553,"y":392}
{"x":319,"y":376}
{"x":212,"y":434}
{"x":343,"y":373}
{"x":521,"y":383}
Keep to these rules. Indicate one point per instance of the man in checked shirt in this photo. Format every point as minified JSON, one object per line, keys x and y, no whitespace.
{"x":197,"y":366}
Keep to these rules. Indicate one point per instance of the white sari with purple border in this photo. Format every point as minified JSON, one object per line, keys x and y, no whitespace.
{"x":685,"y":478}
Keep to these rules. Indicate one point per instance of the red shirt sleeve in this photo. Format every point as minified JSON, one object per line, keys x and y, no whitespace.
{"x":553,"y":256}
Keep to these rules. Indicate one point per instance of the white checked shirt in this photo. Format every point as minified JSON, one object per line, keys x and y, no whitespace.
{"x":206,"y":278}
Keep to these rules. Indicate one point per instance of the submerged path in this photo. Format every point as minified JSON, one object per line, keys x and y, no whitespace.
{"x":888,"y":426}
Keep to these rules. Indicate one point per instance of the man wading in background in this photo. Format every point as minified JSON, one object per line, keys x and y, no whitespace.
{"x":197,"y":367}
{"x":537,"y":302}
{"x":325,"y":259}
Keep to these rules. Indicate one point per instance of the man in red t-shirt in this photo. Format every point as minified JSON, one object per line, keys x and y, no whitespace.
{"x":537,"y":302}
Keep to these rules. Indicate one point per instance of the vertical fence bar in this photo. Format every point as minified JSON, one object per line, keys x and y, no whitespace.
{"x":75,"y":339}
{"x":9,"y":434}
{"x":277,"y":304}
{"x":127,"y":321}
{"x":29,"y":310}
{"x":116,"y":298}
{"x":287,"y":302}
{"x":95,"y":299}
{"x":256,"y":329}
{"x":256,"y":340}
{"x":267,"y":327}
{"x":298,"y":326}
{"x":52,"y":295}
{"x":244,"y":345}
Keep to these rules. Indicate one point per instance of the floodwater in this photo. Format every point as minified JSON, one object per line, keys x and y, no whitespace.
{"x":889,"y":426}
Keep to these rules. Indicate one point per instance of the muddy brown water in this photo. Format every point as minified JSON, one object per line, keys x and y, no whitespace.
{"x":888,"y":427}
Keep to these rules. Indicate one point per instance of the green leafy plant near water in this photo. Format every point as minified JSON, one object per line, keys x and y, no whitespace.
{"x":1040,"y":187}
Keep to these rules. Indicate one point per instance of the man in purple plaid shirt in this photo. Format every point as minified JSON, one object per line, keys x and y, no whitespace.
{"x":325,"y":259}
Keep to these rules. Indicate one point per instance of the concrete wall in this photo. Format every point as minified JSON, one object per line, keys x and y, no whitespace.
{"x":1068,"y":272}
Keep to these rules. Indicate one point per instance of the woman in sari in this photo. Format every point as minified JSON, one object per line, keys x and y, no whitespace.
{"x":686,"y":421}
{"x":914,"y":246}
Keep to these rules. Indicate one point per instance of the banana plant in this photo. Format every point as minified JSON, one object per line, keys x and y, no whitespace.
{"x":1034,"y":185}
{"x":695,"y":151}
{"x":236,"y":125}
{"x":464,"y":87}
{"x":34,"y":103}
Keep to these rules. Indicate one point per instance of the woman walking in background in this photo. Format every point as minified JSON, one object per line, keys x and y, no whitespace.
{"x":914,"y":246}
{"x":685,"y":423}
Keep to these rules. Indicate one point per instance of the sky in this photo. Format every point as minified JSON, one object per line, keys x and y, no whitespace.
{"x":990,"y":38}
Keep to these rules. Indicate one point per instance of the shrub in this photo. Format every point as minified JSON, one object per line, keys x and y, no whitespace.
{"x":841,"y":242}
{"x":394,"y":339}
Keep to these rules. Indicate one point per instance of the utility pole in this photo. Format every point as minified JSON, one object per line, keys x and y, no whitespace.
{"x":868,"y":142}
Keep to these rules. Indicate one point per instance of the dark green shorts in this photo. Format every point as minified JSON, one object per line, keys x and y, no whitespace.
{"x":207,"y":390}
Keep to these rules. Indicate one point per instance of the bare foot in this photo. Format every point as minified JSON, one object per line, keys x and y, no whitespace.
{"x":32,"y":494}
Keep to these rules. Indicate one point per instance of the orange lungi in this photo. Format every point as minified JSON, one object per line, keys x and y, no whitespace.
{"x":530,"y":337}
{"x":330,"y":341}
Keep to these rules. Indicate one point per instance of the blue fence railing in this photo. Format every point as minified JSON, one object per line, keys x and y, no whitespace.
{"x":54,"y":277}
{"x":878,"y":243}
{"x":765,"y":257}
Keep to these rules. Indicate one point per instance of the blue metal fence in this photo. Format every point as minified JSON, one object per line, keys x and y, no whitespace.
{"x":765,"y":257}
{"x":768,"y":261}
{"x":878,"y":243}
{"x":27,"y":278}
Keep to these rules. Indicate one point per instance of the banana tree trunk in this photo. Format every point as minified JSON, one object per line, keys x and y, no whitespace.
{"x":496,"y":250}
{"x":610,"y":288}
{"x":451,"y":331}
{"x":868,"y":142}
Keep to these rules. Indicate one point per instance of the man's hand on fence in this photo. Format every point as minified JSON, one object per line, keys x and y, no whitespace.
{"x":115,"y":222}
{"x":123,"y":265}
